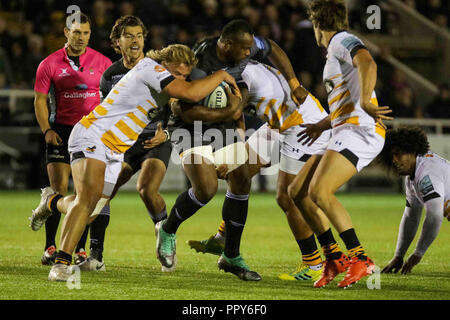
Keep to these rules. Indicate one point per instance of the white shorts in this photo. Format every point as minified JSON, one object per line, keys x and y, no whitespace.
{"x":360,"y":145}
{"x":268,"y":143}
{"x":233,"y":155}
{"x":84,"y":145}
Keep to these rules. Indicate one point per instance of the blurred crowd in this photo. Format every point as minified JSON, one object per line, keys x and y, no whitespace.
{"x":31,"y":30}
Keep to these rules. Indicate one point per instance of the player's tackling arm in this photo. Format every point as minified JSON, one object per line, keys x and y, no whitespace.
{"x":190,"y":113}
{"x":196,"y":90}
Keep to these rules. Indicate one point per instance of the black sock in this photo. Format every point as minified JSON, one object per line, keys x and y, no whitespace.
{"x":158,"y":217}
{"x":53,"y":205}
{"x":63,"y":258}
{"x":51,"y":227}
{"x":185,"y":206}
{"x":310,"y":254}
{"x":352,"y":244}
{"x":308,"y":245}
{"x":82,"y":243}
{"x":329,"y":245}
{"x":98,"y":231}
{"x":234,"y":213}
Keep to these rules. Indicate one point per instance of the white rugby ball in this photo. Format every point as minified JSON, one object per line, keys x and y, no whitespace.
{"x":218,"y":98}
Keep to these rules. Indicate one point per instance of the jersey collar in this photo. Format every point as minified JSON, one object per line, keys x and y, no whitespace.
{"x":82,"y":56}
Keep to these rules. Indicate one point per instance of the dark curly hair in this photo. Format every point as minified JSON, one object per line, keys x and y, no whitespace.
{"x":403,"y":140}
{"x":329,"y":15}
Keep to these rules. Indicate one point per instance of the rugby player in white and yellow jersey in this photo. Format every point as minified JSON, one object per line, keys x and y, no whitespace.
{"x":269,"y":93}
{"x":427,"y":185}
{"x":349,"y":76}
{"x":99,"y":140}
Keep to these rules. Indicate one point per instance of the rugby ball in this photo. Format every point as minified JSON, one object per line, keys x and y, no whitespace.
{"x":218,"y":98}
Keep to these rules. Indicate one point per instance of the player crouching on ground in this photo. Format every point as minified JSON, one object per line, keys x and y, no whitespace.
{"x":427,"y":184}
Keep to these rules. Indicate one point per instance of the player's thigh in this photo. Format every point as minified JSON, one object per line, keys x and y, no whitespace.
{"x":152,"y":174}
{"x":58,"y":175}
{"x":333,"y":171}
{"x":300,"y":184}
{"x":124,"y":176}
{"x":88,"y":177}
{"x":283,"y":182}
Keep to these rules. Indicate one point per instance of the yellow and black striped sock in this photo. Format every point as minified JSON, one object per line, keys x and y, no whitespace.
{"x":330,"y":248}
{"x":310,"y":254}
{"x":354,"y":247}
{"x":52,"y":203}
{"x":63,"y":258}
{"x":221,"y":229}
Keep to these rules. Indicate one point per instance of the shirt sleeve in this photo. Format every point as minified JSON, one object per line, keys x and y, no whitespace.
{"x":43,"y":78}
{"x":409,"y":223}
{"x":430,"y":186}
{"x":105,"y":87}
{"x":261,"y":48}
{"x":347,"y":48}
{"x":431,"y":225}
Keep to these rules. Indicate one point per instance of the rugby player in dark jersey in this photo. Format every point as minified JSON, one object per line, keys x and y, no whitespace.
{"x":231,"y":52}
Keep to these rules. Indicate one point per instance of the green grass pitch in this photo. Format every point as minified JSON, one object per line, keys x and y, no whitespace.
{"x":133,"y":272}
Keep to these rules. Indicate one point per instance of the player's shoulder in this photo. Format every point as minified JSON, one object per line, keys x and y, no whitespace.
{"x":345,"y":40}
{"x":430,"y":168}
{"x":431,"y":163}
{"x":114,"y":69}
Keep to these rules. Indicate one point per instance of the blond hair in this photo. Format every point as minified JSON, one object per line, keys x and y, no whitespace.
{"x":174,"y":53}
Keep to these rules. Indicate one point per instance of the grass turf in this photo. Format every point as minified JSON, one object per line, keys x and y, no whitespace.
{"x":133,"y":272}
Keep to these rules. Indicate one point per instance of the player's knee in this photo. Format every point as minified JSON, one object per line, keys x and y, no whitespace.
{"x":205,"y":192}
{"x":318,"y":193}
{"x":292,"y":191}
{"x":283,"y":201}
{"x":60,"y":188}
{"x":240,"y":183}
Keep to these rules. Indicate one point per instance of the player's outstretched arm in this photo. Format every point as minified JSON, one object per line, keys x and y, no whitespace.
{"x":430,"y":230}
{"x":190,"y":112}
{"x":313,"y":131}
{"x":407,"y":230}
{"x":282,"y":62}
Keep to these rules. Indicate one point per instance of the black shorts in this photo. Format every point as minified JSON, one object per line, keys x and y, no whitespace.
{"x":136,"y":155}
{"x":59,"y":153}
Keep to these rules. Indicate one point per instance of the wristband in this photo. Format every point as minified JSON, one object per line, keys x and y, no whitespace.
{"x":167,"y":134}
{"x":294,"y":83}
{"x":45,"y":132}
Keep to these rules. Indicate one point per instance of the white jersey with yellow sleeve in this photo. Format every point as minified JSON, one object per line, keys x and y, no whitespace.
{"x":113,"y":126}
{"x":269,"y":92}
{"x":127,"y":109}
{"x":341,"y":81}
